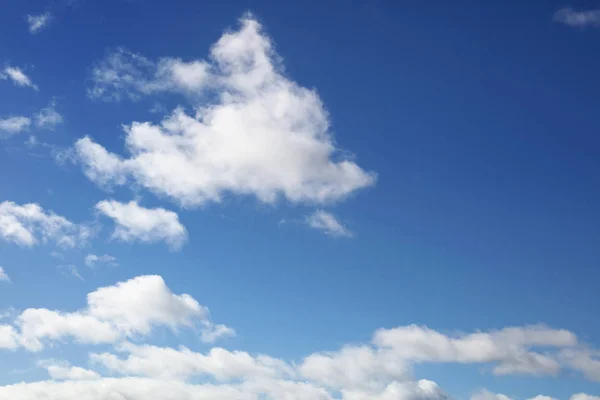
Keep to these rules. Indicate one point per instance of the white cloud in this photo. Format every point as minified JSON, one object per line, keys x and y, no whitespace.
{"x":9,"y":338}
{"x":359,"y":368}
{"x":63,"y":371}
{"x":327,"y":223}
{"x":127,"y":309}
{"x":93,"y":260}
{"x":183,"y":363}
{"x":419,"y":390}
{"x":134,"y":222}
{"x":48,"y":117}
{"x":29,"y":224}
{"x":38,"y":22}
{"x":3,"y":275}
{"x":578,"y":19}
{"x":125,"y":73}
{"x":13,"y":125}
{"x":213,"y":332}
{"x":584,"y":396}
{"x":17,"y":76}
{"x":584,"y":360}
{"x":487,"y":395}
{"x":264,"y":135}
{"x":542,"y":397}
{"x":353,"y":373}
{"x":510,"y":348}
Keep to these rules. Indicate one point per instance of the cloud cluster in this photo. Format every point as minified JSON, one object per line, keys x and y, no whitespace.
{"x":122,"y":314}
{"x":46,"y":118}
{"x":255,"y":132}
{"x":29,"y":224}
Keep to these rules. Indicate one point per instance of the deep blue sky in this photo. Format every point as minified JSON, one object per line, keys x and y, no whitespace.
{"x":480,"y":119}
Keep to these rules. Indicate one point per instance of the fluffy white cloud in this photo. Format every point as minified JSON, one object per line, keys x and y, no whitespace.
{"x":135,"y":306}
{"x":48,"y":117}
{"x":18,"y":77}
{"x":93,"y":260}
{"x":134,"y":222}
{"x":542,"y":397}
{"x":327,"y":223}
{"x":419,"y":390}
{"x":9,"y":338}
{"x":3,"y":275}
{"x":13,"y":125}
{"x":355,"y":367}
{"x":127,"y":309}
{"x":63,"y":371}
{"x":182,"y":363}
{"x":38,"y":22}
{"x":510,"y":348}
{"x":264,"y":135}
{"x":578,"y":19}
{"x":29,"y":224}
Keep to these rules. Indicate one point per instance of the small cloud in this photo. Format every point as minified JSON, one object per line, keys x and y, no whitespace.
{"x":213,"y":332}
{"x":4,"y":276}
{"x":18,"y":77}
{"x":48,"y":117}
{"x":136,"y":223}
{"x":157,"y":108}
{"x":93,"y":260}
{"x":38,"y":22}
{"x":578,"y":19}
{"x":70,"y":269}
{"x":328,"y":224}
{"x":13,"y":125}
{"x":58,"y":255}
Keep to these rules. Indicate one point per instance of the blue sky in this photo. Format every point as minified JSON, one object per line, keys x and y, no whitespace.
{"x":388,"y":200}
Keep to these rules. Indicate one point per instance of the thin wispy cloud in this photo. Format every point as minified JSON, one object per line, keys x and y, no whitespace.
{"x":328,"y":224}
{"x":18,"y":77}
{"x":38,"y":22}
{"x":70,"y":270}
{"x":578,"y":19}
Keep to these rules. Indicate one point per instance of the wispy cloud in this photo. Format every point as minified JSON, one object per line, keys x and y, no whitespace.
{"x":328,"y":224}
{"x":48,"y":117}
{"x":18,"y":77}
{"x":38,"y":22}
{"x":71,"y":270}
{"x":13,"y":125}
{"x":93,"y":260}
{"x":578,"y":19}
